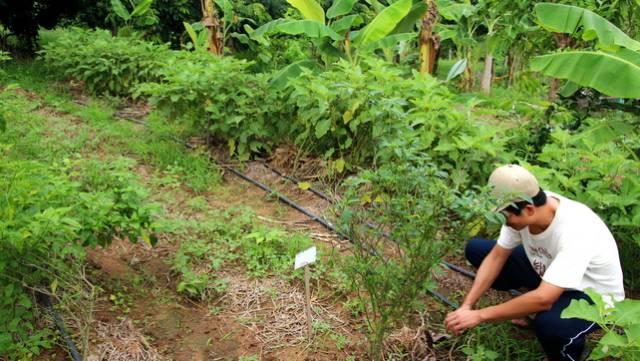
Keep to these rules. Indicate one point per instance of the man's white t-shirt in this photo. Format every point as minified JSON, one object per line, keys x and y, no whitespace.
{"x":577,"y":251}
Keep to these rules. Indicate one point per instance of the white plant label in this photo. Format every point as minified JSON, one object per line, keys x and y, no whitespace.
{"x":305,"y":258}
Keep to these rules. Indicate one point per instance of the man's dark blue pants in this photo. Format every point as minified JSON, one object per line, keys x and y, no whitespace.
{"x":561,"y":339}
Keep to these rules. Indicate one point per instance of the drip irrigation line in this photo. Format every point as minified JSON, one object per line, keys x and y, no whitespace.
{"x":71,"y":347}
{"x":386,"y":234}
{"x":294,"y":205}
{"x":294,"y":180}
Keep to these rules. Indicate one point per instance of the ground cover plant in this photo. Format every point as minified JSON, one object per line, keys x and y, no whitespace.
{"x":50,"y":211}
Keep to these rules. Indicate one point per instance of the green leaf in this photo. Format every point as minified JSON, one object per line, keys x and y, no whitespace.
{"x":142,"y":8}
{"x":613,"y":74}
{"x":3,"y":123}
{"x":384,"y":22}
{"x":389,"y":41}
{"x":568,"y":89}
{"x":309,"y":9}
{"x":304,"y":185}
{"x":339,"y":165}
{"x":626,"y":312}
{"x":583,"y":310}
{"x":310,"y":28}
{"x":568,"y":19}
{"x":612,"y":338}
{"x":340,"y":7}
{"x":322,"y":127}
{"x":192,"y":34}
{"x":457,"y":11}
{"x":120,"y":10}
{"x":408,"y":24}
{"x":227,"y":8}
{"x":267,"y":28}
{"x":282,"y":77}
{"x":457,"y":69}
{"x":346,"y":23}
{"x":633,"y":333}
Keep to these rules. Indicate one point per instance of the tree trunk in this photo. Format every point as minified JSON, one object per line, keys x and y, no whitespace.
{"x":212,"y":23}
{"x":429,"y":42}
{"x":563,"y":41}
{"x":487,"y":76}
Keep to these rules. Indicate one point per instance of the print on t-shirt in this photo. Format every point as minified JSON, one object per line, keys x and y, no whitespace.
{"x":539,"y":264}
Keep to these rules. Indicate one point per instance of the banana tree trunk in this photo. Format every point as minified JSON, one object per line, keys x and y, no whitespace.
{"x":467,"y":81}
{"x":211,"y":21}
{"x":563,"y":41}
{"x":487,"y":75}
{"x":429,"y":42}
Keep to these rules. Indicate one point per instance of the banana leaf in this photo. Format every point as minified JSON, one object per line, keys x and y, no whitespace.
{"x":615,"y":74}
{"x":267,"y":28}
{"x":388,"y":41}
{"x":384,"y":22}
{"x":568,"y":19}
{"x":340,"y":7}
{"x":142,"y":8}
{"x":457,"y":69}
{"x":281,"y":78}
{"x":227,"y":9}
{"x":409,"y":22}
{"x":309,"y":9}
{"x":346,"y":23}
{"x":120,"y":10}
{"x":310,"y":28}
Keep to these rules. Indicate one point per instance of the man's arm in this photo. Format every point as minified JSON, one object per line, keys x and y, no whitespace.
{"x":487,"y":274}
{"x":540,"y":299}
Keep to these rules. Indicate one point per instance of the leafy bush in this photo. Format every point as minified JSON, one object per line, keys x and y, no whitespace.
{"x":598,"y":165}
{"x":47,"y":214}
{"x":106,"y":64}
{"x":351,"y":111}
{"x":219,"y":96}
{"x":271,"y":250}
{"x":621,"y":325}
{"x":425,"y":217}
{"x":227,"y":237}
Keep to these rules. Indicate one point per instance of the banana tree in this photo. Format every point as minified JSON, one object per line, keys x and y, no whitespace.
{"x":211,"y":21}
{"x":140,"y":16}
{"x":462,"y":28}
{"x":429,"y":40}
{"x":612,"y":67}
{"x":333,"y":32}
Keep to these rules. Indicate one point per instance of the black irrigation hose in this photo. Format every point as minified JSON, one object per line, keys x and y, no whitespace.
{"x":310,"y":189}
{"x":71,"y":347}
{"x":292,"y":204}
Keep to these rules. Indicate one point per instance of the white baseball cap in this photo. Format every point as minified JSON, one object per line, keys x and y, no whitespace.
{"x":512,"y":183}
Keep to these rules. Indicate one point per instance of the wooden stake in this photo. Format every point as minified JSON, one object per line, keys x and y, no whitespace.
{"x":307,"y":275}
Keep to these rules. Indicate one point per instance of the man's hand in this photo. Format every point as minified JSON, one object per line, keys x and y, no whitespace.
{"x":462,"y":319}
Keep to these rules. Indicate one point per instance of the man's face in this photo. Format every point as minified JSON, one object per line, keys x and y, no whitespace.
{"x":519,"y":221}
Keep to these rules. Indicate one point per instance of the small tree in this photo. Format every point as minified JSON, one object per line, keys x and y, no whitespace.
{"x":403,"y":217}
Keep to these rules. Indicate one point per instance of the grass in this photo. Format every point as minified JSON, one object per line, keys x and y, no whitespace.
{"x":99,"y":130}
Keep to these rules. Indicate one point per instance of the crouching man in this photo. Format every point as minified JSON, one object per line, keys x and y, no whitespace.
{"x":554,"y":247}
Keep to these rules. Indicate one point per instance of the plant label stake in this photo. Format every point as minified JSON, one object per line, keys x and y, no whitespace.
{"x":303,"y":259}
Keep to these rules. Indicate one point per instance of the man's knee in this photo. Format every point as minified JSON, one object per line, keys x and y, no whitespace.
{"x":561,"y":339}
{"x":477,"y":249}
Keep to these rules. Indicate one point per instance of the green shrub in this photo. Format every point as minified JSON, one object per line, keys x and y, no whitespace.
{"x":352,"y":112}
{"x":227,"y":237}
{"x":621,"y":325}
{"x":106,"y":64}
{"x":598,"y":165}
{"x":48,"y":213}
{"x":220,"y":97}
{"x":416,"y":203}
